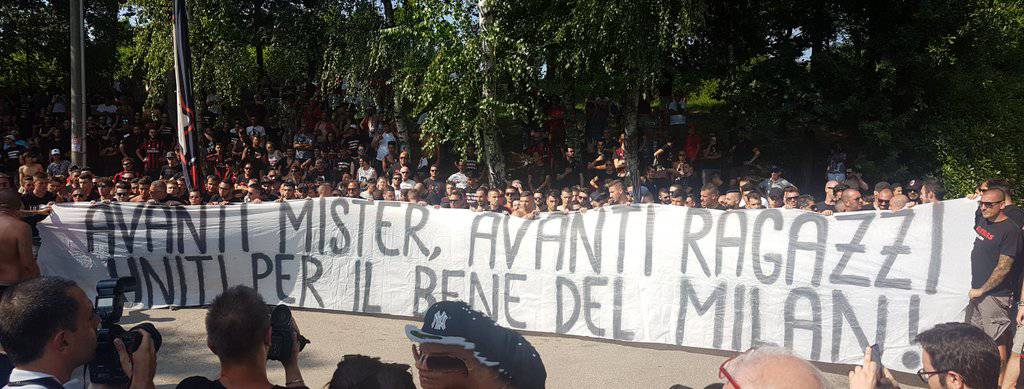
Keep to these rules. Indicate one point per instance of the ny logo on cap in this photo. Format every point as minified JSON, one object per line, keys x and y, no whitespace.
{"x":440,"y":318}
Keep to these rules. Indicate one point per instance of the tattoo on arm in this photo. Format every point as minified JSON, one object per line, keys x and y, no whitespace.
{"x":999,"y":273}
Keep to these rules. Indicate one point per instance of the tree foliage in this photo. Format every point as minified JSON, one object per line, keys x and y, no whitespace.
{"x":907,"y":88}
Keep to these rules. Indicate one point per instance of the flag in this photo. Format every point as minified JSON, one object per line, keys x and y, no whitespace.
{"x":188,"y":152}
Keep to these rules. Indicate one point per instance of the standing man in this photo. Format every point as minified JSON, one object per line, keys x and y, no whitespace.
{"x":150,"y":153}
{"x":775,"y":181}
{"x":57,"y":166}
{"x":993,"y":274}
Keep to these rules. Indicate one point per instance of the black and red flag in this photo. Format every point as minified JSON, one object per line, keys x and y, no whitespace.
{"x":187,"y":133}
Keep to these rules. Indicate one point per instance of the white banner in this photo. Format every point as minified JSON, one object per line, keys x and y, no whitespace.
{"x":825,"y":287}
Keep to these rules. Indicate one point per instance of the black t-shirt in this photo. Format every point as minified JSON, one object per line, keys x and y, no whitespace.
{"x":197,"y":382}
{"x":993,"y":240}
{"x":31,"y":202}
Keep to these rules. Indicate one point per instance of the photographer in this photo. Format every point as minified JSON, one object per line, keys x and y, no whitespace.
{"x":48,"y":329}
{"x":238,"y":331}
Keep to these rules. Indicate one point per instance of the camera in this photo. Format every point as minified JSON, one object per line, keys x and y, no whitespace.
{"x":105,"y":368}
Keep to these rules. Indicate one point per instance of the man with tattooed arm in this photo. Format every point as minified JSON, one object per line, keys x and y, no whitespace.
{"x":993,"y":272}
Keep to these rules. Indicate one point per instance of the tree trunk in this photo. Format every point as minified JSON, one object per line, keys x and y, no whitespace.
{"x":629,"y":109}
{"x":259,"y":58}
{"x":490,"y":137}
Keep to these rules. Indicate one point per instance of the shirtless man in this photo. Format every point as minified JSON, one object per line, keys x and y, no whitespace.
{"x":16,"y":260}
{"x":30,"y":168}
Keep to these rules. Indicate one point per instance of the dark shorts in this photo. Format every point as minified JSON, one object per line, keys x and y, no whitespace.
{"x":992,"y":314}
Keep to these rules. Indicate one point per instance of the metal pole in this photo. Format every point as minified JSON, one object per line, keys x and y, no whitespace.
{"x":77,"y":86}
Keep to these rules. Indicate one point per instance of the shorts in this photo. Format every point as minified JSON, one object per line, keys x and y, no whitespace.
{"x":992,"y":314}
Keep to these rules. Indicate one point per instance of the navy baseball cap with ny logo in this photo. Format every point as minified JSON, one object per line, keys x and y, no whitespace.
{"x":499,"y":348}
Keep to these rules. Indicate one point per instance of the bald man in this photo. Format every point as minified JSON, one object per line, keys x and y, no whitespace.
{"x":771,"y":367}
{"x":883,"y":200}
{"x":849,"y":201}
{"x":16,"y":260}
{"x":898,"y":202}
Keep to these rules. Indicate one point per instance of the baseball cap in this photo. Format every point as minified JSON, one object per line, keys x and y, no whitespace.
{"x":506,"y":351}
{"x":775,"y":169}
{"x":171,"y":154}
{"x":913,"y":186}
{"x":55,"y":152}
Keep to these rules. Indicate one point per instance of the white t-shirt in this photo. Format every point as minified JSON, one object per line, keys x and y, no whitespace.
{"x":382,"y":147}
{"x":459,"y":179}
{"x":366,"y":175}
{"x":256,"y":130}
{"x":678,"y":109}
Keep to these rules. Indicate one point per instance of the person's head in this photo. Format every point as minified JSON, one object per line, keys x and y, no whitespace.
{"x":352,"y":189}
{"x":152,"y":133}
{"x":789,"y":197}
{"x":677,"y":198}
{"x":616,"y":192}
{"x":158,"y":190}
{"x":458,"y":347}
{"x":997,"y":183}
{"x":898,"y":202}
{"x":958,"y":355}
{"x":495,"y":198}
{"x":770,"y":367}
{"x":238,"y":326}
{"x":551,"y":201}
{"x":122,"y":192}
{"x":389,"y":195}
{"x":849,"y":201}
{"x":732,"y":199}
{"x":195,"y":197}
{"x":932,"y":191}
{"x":753,"y":200}
{"x":883,"y":199}
{"x":709,"y":196}
{"x":805,"y":203}
{"x":433,"y":171}
{"x":526,"y":202}
{"x":880,"y":186}
{"x":460,"y":165}
{"x":287,"y":190}
{"x":776,"y":173}
{"x":224,"y":189}
{"x":85,"y":181}
{"x":363,"y":372}
{"x":40,"y":182}
{"x":48,"y":318}
{"x":992,"y":203}
{"x":173,"y":188}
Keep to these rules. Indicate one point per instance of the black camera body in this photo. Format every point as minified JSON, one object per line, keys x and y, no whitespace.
{"x":105,"y":368}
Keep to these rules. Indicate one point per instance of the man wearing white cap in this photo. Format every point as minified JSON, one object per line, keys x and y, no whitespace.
{"x":58,"y":166}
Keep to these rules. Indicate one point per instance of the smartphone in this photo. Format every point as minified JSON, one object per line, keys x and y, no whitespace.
{"x":876,"y":353}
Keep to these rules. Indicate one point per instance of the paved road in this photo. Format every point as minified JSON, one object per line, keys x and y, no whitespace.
{"x":571,"y":362}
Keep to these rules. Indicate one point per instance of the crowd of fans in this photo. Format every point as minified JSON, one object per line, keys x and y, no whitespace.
{"x":329,"y":152}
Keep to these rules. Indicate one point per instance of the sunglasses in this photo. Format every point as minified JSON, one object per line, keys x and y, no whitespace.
{"x":121,"y":194}
{"x":924,"y":375}
{"x":989,"y":204}
{"x":77,"y":196}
